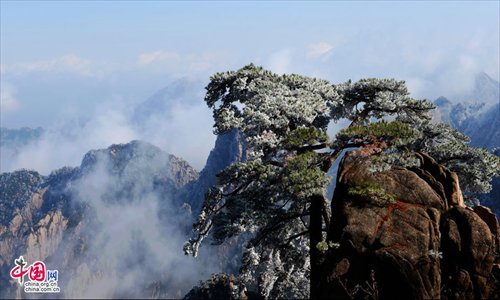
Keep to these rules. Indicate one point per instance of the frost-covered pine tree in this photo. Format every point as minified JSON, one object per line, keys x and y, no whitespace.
{"x":277,"y":195}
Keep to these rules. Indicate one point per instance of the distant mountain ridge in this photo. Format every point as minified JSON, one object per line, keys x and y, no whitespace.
{"x":477,"y":114}
{"x":19,"y":137}
{"x":183,"y":91}
{"x":61,"y":219}
{"x":12,"y":142}
{"x":486,"y":89}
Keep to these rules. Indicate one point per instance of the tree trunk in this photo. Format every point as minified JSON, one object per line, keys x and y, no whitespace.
{"x":315,"y":235}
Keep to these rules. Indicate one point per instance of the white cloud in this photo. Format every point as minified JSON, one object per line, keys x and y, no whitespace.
{"x":138,"y":246}
{"x":418,"y":86}
{"x":66,"y":142}
{"x":452,"y":77}
{"x":200,"y":66}
{"x":319,"y":50}
{"x":185,"y":64}
{"x":158,"y":56}
{"x":76,"y":64}
{"x":184,"y":129}
{"x":67,"y":63}
{"x":187,"y":133}
{"x":8,"y":100}
{"x":280,"y":61}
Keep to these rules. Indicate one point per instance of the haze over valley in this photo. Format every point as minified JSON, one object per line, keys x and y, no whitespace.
{"x":108,"y":150}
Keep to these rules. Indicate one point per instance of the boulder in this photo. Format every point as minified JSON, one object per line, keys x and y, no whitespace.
{"x":406,"y":233}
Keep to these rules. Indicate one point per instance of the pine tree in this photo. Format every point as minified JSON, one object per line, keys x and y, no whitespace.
{"x":277,"y":195}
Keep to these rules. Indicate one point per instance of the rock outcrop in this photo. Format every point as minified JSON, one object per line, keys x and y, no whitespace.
{"x":229,"y":148}
{"x":406,"y":233}
{"x":53,"y":218}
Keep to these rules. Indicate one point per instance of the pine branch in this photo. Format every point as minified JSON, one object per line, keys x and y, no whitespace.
{"x":293,"y":237}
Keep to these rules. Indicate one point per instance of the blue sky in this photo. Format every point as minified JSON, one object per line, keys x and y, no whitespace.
{"x":110,"y":41}
{"x":117,"y":32}
{"x":63,"y":61}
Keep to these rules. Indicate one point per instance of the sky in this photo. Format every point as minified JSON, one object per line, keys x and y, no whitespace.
{"x":66,"y":61}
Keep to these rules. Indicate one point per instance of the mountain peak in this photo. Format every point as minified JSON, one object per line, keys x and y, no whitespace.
{"x":442,"y":101}
{"x":486,"y":89}
{"x":183,"y":91}
{"x":139,"y":157}
{"x":483,"y":76}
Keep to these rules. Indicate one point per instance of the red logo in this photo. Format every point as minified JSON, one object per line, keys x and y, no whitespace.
{"x":36,"y":271}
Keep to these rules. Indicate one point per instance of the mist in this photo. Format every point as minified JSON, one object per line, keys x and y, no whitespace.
{"x":94,"y":74}
{"x":177,"y":120}
{"x":128,"y":242}
{"x":132,"y":230}
{"x":183,"y":128}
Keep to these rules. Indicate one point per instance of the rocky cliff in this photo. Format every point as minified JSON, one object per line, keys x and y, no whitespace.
{"x":113,"y":216}
{"x":229,"y":148}
{"x":406,"y":233}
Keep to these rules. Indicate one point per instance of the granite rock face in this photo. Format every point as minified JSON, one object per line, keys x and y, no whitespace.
{"x":54,"y":218}
{"x":406,"y":233}
{"x":229,"y":148}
